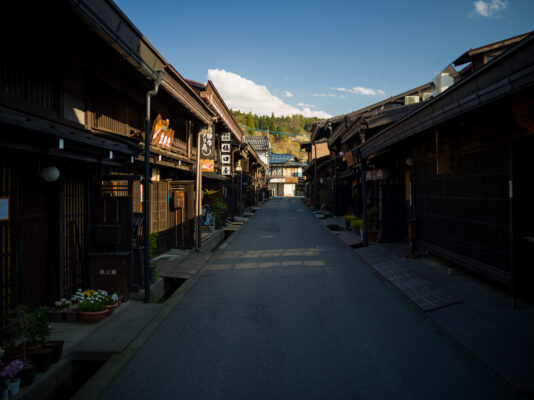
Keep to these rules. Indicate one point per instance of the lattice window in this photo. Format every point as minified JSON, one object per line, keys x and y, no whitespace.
{"x":74,"y":232}
{"x":35,"y":86}
{"x":468,"y":212}
{"x":7,"y":281}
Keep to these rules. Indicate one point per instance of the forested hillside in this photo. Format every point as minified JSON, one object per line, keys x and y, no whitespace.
{"x":285,"y":133}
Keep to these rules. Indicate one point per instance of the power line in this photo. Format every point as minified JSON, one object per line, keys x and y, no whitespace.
{"x":268,"y":131}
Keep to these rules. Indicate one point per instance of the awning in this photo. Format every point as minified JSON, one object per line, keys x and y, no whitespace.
{"x":215,"y":176}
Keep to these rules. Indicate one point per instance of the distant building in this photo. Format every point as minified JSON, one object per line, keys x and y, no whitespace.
{"x":285,"y":175}
{"x":262,"y":146}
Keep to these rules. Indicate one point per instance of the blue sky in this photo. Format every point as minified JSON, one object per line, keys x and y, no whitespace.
{"x":320,"y":58}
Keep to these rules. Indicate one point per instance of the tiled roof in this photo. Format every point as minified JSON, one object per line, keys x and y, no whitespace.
{"x":258,"y":143}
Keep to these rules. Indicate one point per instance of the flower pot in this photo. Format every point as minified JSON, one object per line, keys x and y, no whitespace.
{"x":71,"y":316}
{"x":13,"y":386}
{"x":42,"y":359}
{"x":55,"y":316}
{"x":372,"y":236}
{"x":27,"y":375}
{"x":57,"y":348}
{"x":112,"y":308}
{"x":93,"y":316}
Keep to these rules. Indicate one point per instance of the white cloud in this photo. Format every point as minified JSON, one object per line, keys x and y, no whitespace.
{"x":361,"y":90}
{"x":301,"y":104}
{"x":319,"y":95}
{"x":287,"y":94}
{"x":243,"y":94}
{"x":488,"y":9}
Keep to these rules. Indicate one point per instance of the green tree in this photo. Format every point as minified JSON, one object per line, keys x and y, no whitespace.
{"x":250,"y":123}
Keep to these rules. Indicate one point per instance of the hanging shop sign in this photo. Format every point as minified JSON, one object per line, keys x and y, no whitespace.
{"x":376,"y":174}
{"x":447,"y":153}
{"x":4,"y":208}
{"x":226,"y":148}
{"x":207,"y":165}
{"x":161,"y":136}
{"x":207,"y":150}
{"x":226,"y":157}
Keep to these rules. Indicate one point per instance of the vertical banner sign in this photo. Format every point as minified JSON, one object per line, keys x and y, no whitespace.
{"x":160,"y":135}
{"x":207,"y":151}
{"x":226,"y":157}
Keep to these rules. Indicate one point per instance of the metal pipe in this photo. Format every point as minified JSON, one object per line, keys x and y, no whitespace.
{"x":315,"y":194}
{"x":364,"y":203}
{"x":198,"y":200}
{"x":146,"y":186}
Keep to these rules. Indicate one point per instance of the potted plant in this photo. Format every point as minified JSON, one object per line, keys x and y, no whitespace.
{"x":56,"y":313}
{"x":372,"y":214}
{"x":356,"y":225}
{"x":71,"y":313}
{"x":20,"y":320}
{"x":93,"y":305}
{"x":39,"y":332}
{"x":348,"y":219}
{"x":10,"y":374}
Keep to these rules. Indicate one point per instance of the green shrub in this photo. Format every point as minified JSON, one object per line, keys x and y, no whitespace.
{"x":357,"y":222}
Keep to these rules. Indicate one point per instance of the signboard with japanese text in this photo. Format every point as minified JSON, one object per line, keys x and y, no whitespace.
{"x":226,"y":148}
{"x":226,"y":170}
{"x":161,"y":136}
{"x":226,"y":137}
{"x":207,"y":150}
{"x":226,"y":159}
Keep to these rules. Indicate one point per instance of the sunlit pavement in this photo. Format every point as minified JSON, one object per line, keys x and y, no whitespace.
{"x":284,"y":311}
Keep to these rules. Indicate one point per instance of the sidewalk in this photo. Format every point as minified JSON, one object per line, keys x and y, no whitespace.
{"x":478,"y":315}
{"x":109,"y":343}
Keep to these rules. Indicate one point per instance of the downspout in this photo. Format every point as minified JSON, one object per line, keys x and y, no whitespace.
{"x":146,"y":188}
{"x":365,"y":238}
{"x":315,"y":193}
{"x":198,"y":200}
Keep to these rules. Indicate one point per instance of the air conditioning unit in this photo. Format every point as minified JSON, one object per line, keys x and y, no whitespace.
{"x":442,"y":82}
{"x":411,"y":100}
{"x":426,"y":96}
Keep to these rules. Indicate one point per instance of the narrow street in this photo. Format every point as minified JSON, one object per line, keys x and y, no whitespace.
{"x":284,"y":311}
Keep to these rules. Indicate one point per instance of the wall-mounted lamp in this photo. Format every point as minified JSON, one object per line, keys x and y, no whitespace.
{"x":341,"y":154}
{"x":409,"y":162}
{"x":131,"y":159}
{"x":159,"y":157}
{"x":111,"y":155}
{"x":50,"y":174}
{"x":61,"y":144}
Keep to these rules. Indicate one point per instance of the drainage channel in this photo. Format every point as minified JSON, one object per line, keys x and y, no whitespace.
{"x":171,"y":285}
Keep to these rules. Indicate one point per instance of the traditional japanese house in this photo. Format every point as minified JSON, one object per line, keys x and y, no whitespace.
{"x":284,"y":173}
{"x":72,"y":121}
{"x":464,"y":159}
{"x":262,"y":147}
{"x":337,"y":173}
{"x":318,"y":153}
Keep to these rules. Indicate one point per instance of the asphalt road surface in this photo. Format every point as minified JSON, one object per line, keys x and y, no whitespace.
{"x":285,"y":311}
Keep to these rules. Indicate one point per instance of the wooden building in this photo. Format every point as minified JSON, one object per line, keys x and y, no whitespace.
{"x":72,"y":120}
{"x":461,"y":164}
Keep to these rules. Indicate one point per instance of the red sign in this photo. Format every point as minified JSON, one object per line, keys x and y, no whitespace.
{"x":207,"y":165}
